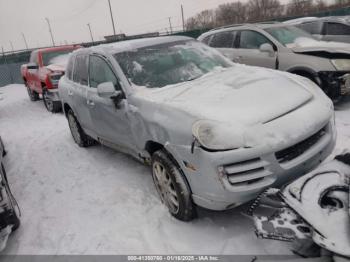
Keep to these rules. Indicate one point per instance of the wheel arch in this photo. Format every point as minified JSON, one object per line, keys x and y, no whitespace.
{"x":305,"y":72}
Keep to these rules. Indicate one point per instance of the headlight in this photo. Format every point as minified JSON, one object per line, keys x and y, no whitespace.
{"x":218,"y":136}
{"x":341,"y":64}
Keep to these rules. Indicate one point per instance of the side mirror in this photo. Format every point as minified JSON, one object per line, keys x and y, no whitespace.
{"x":267,"y":48}
{"x":106,"y":90}
{"x":32,"y":66}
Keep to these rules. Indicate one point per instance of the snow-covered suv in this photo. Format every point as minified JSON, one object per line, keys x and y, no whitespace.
{"x":287,"y":48}
{"x":215,"y":133}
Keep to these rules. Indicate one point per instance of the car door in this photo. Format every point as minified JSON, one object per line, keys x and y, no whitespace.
{"x":78,"y":91}
{"x":224,"y":43}
{"x":249,"y":43}
{"x":109,"y":121}
{"x":336,"y":32}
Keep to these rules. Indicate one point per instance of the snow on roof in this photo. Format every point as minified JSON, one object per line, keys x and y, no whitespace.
{"x":300,"y":20}
{"x":138,"y":43}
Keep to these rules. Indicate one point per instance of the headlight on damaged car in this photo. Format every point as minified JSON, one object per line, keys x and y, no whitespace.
{"x":217,"y":136}
{"x":341,"y":64}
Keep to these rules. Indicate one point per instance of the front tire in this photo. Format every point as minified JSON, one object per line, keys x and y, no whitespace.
{"x":78,"y":134}
{"x":51,"y":106}
{"x":172,"y":187}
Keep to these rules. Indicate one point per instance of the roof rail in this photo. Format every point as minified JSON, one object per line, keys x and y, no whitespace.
{"x":267,"y":22}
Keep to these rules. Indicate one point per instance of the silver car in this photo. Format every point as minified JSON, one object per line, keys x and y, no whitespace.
{"x":215,"y":133}
{"x":332,"y":28}
{"x":286,"y":48}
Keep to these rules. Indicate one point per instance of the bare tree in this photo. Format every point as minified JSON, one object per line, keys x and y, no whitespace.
{"x":262,"y":10}
{"x":231,"y":13}
{"x":320,"y":5}
{"x":300,"y":7}
{"x":205,"y":19}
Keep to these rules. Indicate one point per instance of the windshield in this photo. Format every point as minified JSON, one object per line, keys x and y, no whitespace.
{"x":170,"y":63}
{"x":288,"y":35}
{"x":49,"y":57}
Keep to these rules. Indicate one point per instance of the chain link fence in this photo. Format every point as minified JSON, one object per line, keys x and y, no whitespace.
{"x":10,"y":67}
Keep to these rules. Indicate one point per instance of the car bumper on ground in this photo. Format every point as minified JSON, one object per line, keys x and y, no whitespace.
{"x":223,"y":180}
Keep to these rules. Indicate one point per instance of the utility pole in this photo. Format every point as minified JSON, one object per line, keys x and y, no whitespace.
{"x":92,"y":39}
{"x":25,"y":41}
{"x":110,"y":10}
{"x":171,"y":27}
{"x":13,"y":50}
{"x":50,"y":30}
{"x":183,"y":18}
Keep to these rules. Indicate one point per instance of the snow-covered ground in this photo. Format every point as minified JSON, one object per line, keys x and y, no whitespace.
{"x":98,"y":201}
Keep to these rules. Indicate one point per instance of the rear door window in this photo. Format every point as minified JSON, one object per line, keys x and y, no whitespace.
{"x":223,"y":40}
{"x":80,"y":74}
{"x":337,"y":29}
{"x":252,"y":40}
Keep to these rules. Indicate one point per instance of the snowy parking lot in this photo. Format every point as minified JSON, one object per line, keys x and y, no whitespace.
{"x":98,"y":201}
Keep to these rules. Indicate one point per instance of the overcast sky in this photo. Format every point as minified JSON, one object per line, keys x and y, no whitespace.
{"x":69,"y":18}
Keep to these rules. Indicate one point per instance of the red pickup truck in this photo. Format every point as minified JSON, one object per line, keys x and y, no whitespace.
{"x":42,"y":73}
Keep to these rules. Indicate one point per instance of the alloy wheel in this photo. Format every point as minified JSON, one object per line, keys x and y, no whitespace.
{"x":165,"y":187}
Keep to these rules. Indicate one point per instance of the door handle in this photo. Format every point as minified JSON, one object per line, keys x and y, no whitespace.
{"x":90,"y":103}
{"x":70,"y":93}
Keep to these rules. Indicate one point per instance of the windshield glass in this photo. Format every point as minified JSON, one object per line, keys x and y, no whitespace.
{"x":288,"y":35}
{"x":170,"y":63}
{"x":49,"y":57}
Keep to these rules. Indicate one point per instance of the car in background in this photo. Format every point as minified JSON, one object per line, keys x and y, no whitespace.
{"x":287,"y":48}
{"x":42,"y":73}
{"x":215,"y":133}
{"x":332,"y":28}
{"x":9,"y":211}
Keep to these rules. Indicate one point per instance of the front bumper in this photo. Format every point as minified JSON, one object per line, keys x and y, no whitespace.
{"x":223,"y":180}
{"x":335,"y":83}
{"x":53,"y":95}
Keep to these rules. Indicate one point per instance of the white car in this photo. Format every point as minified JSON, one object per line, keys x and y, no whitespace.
{"x":216,"y":133}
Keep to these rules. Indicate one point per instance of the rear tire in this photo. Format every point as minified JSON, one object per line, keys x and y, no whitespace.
{"x":51,"y":106}
{"x":172,"y":186}
{"x":78,"y":134}
{"x":33,"y":96}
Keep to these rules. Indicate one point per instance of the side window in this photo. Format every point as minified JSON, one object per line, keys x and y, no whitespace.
{"x":252,"y":40}
{"x":223,"y":40}
{"x":69,"y":69}
{"x":313,"y":28}
{"x":337,"y":29}
{"x":100,"y":72}
{"x":80,"y":74}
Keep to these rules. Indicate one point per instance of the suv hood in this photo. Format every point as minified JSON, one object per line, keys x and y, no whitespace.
{"x":307,"y":45}
{"x":249,"y":95}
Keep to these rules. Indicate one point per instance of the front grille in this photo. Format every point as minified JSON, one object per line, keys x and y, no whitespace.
{"x":247,"y":172}
{"x":297,"y":150}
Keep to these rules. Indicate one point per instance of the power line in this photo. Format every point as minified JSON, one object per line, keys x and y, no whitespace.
{"x":25,"y":41}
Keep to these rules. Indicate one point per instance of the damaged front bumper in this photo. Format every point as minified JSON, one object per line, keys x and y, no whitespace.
{"x":335,"y":83}
{"x":224,"y":180}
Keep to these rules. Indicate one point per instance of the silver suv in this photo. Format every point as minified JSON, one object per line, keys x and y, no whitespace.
{"x":286,"y":48}
{"x":215,"y":133}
